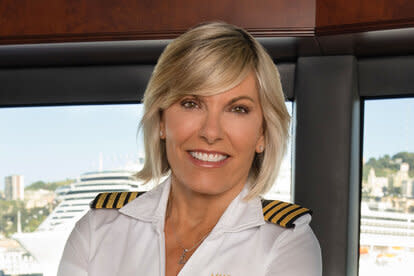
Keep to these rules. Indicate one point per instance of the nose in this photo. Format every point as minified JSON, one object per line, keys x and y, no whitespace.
{"x":211,"y":129}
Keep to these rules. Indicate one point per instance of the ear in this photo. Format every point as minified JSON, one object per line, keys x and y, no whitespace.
{"x":260,"y":145}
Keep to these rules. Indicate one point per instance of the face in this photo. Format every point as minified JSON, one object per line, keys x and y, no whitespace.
{"x":211,"y":141}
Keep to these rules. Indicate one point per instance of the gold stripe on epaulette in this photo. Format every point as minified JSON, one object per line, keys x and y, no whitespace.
{"x":133,"y":196}
{"x":282,"y":213}
{"x":294,"y":215}
{"x":101,"y":199}
{"x":121,"y":201}
{"x":114,"y":200}
{"x":111,"y":200}
{"x":275,"y":209}
{"x":270,"y":205}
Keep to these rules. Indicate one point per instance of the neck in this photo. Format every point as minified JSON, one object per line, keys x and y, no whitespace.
{"x":190,"y":210}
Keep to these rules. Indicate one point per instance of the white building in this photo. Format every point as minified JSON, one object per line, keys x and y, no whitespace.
{"x":14,"y":260}
{"x":376,"y":184}
{"x":14,"y":187}
{"x":403,"y":180}
{"x":38,"y":198}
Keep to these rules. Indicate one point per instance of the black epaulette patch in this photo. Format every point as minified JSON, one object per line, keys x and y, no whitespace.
{"x":283,"y":213}
{"x":113,"y":200}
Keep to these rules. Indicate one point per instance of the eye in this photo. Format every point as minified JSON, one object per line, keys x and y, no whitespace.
{"x":240,"y":109}
{"x":189,"y":104}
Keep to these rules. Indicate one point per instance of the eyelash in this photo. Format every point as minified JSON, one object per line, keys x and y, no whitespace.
{"x":245,"y":109}
{"x":186,"y":104}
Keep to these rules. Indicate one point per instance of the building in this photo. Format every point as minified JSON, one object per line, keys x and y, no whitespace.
{"x":404,"y":181}
{"x":376,"y":184}
{"x":14,"y":187}
{"x":38,"y":198}
{"x":14,"y":260}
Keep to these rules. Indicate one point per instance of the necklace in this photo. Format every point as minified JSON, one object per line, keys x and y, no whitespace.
{"x":183,"y":258}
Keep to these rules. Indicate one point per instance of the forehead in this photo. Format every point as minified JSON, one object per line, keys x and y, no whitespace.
{"x":247,"y":87}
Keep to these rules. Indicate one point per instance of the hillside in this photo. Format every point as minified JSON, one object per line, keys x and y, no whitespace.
{"x":51,"y":186}
{"x":387,"y":165}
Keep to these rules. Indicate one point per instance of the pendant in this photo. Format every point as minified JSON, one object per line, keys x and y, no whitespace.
{"x":182,"y":258}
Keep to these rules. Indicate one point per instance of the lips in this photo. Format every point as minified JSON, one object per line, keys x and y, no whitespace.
{"x":208,"y":157}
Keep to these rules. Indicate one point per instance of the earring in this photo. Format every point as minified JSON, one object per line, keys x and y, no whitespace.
{"x":161,"y":133}
{"x":261,"y":148}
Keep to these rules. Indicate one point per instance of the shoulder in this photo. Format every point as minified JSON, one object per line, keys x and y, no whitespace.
{"x":292,"y":242}
{"x":104,"y":210}
{"x":284,"y":222}
{"x":292,"y":247}
{"x":285,"y":214}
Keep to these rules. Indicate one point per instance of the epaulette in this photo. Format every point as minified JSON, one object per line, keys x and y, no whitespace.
{"x":283,"y":213}
{"x":114,"y":200}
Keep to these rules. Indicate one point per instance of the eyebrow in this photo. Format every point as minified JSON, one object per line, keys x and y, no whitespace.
{"x":241,"y":98}
{"x":197,"y":97}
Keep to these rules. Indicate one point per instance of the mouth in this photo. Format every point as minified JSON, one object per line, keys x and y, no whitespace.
{"x":213,"y":157}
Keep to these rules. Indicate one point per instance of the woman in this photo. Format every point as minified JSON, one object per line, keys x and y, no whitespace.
{"x":216,"y":124}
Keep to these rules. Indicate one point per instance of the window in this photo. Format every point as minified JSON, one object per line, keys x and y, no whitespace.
{"x":282,"y":189}
{"x":54,"y":161}
{"x":387,"y":206}
{"x":59,"y":155}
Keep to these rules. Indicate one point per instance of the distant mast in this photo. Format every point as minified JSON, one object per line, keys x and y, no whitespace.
{"x":19,"y":222}
{"x":100,"y":162}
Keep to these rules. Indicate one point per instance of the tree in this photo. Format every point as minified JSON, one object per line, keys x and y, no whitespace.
{"x":51,"y":186}
{"x":407,"y":157}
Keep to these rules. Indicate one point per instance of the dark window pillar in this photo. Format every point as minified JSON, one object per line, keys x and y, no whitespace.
{"x":327,"y":164}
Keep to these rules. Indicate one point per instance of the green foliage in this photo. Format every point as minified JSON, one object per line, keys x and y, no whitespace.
{"x":51,"y":186}
{"x":30,"y":218}
{"x":385,"y":166}
{"x":36,"y":186}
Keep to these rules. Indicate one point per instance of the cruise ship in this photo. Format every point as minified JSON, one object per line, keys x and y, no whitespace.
{"x":46,"y":244}
{"x":386,"y":228}
{"x":386,"y":242}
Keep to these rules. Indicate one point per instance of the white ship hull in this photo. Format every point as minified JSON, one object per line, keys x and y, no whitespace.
{"x":46,"y":244}
{"x":46,"y":247}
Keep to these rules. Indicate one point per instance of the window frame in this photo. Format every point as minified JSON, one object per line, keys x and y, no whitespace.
{"x":326,"y":81}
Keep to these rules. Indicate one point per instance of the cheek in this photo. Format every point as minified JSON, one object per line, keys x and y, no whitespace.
{"x":179,"y":127}
{"x":244,"y":133}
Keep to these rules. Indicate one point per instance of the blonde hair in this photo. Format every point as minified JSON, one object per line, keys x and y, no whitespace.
{"x":206,"y":60}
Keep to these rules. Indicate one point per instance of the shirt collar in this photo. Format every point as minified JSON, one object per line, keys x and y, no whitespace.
{"x":239,"y":215}
{"x":150,"y":206}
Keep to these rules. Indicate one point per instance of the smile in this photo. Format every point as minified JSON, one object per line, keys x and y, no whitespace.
{"x":208,"y":157}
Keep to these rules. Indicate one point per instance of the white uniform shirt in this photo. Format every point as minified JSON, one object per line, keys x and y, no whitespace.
{"x":131,"y":241}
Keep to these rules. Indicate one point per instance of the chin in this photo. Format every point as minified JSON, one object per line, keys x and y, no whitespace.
{"x":208,"y":185}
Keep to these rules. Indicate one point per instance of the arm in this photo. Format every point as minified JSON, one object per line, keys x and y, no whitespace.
{"x":76,"y":253}
{"x":296,"y":253}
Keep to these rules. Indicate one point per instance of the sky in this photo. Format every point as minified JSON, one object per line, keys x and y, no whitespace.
{"x":55,"y":143}
{"x":388,"y":127}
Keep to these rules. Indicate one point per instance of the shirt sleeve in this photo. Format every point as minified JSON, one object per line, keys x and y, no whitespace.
{"x":76,"y":253}
{"x":296,"y":253}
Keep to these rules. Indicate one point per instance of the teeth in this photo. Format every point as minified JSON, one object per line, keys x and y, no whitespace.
{"x":208,"y":157}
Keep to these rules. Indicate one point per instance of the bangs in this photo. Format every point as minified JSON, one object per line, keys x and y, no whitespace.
{"x":207,"y":67}
{"x":213,"y":84}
